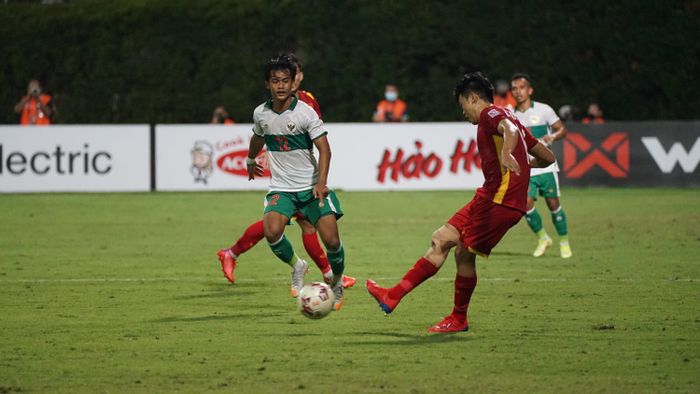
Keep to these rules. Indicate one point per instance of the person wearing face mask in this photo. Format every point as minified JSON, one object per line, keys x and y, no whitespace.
{"x":36,"y":108}
{"x":221,"y":116}
{"x":392,"y":108}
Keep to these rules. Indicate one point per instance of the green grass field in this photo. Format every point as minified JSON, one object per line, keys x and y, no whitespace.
{"x":123,"y":293}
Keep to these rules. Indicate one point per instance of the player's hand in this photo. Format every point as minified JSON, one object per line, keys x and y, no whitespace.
{"x":320,"y":191}
{"x":253,"y":170}
{"x":509,"y":162}
{"x":548,"y":139}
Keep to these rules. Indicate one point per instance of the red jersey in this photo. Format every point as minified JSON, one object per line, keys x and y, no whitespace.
{"x":309,"y":98}
{"x":500,"y":185}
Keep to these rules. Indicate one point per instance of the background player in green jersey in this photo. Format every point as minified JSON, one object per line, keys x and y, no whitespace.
{"x":545,"y":125}
{"x":290,"y":129}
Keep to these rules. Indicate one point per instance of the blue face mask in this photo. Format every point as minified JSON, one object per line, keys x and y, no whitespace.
{"x":391,"y":95}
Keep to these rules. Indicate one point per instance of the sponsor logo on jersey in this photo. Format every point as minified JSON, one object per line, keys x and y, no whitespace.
{"x":612,"y":156}
{"x":493,"y":113}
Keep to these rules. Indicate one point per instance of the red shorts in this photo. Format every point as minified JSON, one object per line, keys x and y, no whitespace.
{"x":482,"y":224}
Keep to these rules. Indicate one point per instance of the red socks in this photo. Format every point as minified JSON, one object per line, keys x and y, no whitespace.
{"x":421,"y":270}
{"x":313,"y":248}
{"x":252,"y":235}
{"x":464,"y":287}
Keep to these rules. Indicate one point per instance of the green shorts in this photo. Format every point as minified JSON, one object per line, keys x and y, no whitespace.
{"x":546,"y":185}
{"x":291,"y":203}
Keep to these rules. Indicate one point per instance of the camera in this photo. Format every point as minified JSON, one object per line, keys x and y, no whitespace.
{"x":35,"y":92}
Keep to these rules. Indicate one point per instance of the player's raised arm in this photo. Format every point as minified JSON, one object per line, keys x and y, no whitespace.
{"x":510,"y":140}
{"x":256,"y":145}
{"x":541,"y":156}
{"x":320,"y":190}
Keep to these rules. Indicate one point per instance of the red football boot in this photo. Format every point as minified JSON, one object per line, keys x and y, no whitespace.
{"x":382,"y":296}
{"x":228,"y":263}
{"x":348,"y":281}
{"x":450,"y":324}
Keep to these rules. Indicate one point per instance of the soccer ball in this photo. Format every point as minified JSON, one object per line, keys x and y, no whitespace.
{"x":315,"y":300}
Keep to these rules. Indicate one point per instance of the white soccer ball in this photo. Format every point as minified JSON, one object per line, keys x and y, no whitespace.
{"x":315,"y":300}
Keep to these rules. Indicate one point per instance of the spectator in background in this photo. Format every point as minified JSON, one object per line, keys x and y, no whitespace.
{"x":392,"y":108}
{"x":568,"y":113}
{"x":503,"y":97}
{"x":221,"y":116}
{"x":594,"y":115}
{"x":36,"y":108}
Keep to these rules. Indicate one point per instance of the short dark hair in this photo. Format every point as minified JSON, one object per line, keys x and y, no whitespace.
{"x":281,"y":62}
{"x":521,"y":76}
{"x":294,"y":59}
{"x":474,"y":83}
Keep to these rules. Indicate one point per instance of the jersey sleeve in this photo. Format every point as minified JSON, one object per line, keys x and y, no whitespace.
{"x":309,"y":98}
{"x":550,"y":116}
{"x":257,"y":128}
{"x":493,"y":117}
{"x":314,"y":125}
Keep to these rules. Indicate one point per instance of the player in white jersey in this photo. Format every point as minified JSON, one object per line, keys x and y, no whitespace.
{"x":545,"y":125}
{"x":290,"y":129}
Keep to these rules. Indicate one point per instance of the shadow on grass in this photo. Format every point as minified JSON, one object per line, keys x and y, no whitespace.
{"x":218,"y":294}
{"x":397,"y":338}
{"x":517,"y":254}
{"x":178,"y":319}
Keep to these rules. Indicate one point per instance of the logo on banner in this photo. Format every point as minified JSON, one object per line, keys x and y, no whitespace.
{"x":612,"y":156}
{"x":688,"y":160}
{"x":234,"y":163}
{"x":202,"y":163}
{"x":465,"y":157}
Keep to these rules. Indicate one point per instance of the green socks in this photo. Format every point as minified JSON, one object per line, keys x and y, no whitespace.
{"x":284,"y":251}
{"x":559,"y":220}
{"x":534,"y":220}
{"x":337,"y":260}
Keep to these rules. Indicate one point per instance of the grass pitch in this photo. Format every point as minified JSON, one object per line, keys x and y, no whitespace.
{"x":123,"y":293}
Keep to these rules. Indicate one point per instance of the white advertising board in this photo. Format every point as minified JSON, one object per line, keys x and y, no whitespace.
{"x":407,"y":156}
{"x":85,"y":158}
{"x":366,"y":156}
{"x":204,"y":157}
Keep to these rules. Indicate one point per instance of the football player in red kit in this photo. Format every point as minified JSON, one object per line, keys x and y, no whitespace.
{"x":504,"y":145}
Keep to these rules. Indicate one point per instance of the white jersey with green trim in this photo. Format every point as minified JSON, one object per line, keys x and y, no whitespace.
{"x":289,"y":141}
{"x":539,"y":119}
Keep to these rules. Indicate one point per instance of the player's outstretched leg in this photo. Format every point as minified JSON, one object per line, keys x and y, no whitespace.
{"x":315,"y":251}
{"x":534,"y":220}
{"x":282,"y":248}
{"x":465,"y":283}
{"x":559,"y":220}
{"x":337,"y":261}
{"x":389,"y":298}
{"x":328,"y":229}
{"x":227,"y":257}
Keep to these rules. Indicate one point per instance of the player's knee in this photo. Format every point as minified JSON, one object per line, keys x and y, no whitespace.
{"x":440,"y":243}
{"x":273,"y":233}
{"x":332,"y":243}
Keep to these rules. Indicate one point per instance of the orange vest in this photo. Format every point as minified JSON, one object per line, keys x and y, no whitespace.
{"x":396,"y":108}
{"x":32,"y":114}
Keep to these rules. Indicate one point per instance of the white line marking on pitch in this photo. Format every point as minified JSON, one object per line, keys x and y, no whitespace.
{"x":253,"y":280}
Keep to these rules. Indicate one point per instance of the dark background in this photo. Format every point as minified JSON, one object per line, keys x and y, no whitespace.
{"x":174,"y":61}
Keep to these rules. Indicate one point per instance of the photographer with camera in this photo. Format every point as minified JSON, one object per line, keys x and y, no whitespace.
{"x":392,"y":108}
{"x":36,"y":107}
